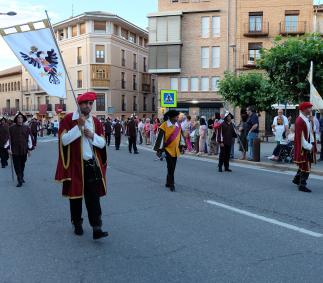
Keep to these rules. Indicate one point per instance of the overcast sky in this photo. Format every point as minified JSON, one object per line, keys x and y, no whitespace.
{"x":134,"y":11}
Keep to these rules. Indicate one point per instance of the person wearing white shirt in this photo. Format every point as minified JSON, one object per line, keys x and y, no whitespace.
{"x":82,"y":164}
{"x":283,"y":118}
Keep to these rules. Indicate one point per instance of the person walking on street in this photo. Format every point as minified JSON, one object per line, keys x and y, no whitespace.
{"x":170,"y":140}
{"x":243,"y":130}
{"x":4,"y":137}
{"x":34,"y":130}
{"x":253,"y":130}
{"x":226,"y":133}
{"x":108,"y":130}
{"x":55,"y":127}
{"x":117,"y":129}
{"x":132,"y":135}
{"x":82,"y":165}
{"x":304,"y":147}
{"x":20,"y":145}
{"x":203,"y":136}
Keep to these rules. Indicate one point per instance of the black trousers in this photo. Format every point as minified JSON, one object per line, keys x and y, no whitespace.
{"x":224,"y":157}
{"x":132,"y":144}
{"x":4,"y":156}
{"x":92,"y":202}
{"x":140,"y":138}
{"x":301,"y":178}
{"x":35,"y":138}
{"x":19,"y":162}
{"x":171,"y":166}
{"x":108,"y":138}
{"x":117,"y":141}
{"x":321,"y":154}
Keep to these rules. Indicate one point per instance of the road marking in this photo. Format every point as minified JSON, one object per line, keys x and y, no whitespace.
{"x":265,"y":219}
{"x":44,"y":141}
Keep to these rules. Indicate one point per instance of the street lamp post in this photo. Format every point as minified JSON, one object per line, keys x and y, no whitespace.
{"x":11,"y":13}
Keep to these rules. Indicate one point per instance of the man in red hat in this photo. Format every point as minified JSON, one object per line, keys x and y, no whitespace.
{"x":82,"y":164}
{"x":304,"y":147}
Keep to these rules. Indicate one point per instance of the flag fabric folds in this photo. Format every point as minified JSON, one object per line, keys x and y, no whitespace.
{"x":315,"y":97}
{"x":38,"y":53}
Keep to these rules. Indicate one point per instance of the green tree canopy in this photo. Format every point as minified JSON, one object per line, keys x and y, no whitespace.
{"x":288,"y":64}
{"x":248,"y":89}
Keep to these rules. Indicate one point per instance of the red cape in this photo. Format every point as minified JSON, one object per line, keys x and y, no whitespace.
{"x":70,"y":162}
{"x":300,"y":154}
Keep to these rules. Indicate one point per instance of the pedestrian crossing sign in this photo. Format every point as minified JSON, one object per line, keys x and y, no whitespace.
{"x":169,"y":98}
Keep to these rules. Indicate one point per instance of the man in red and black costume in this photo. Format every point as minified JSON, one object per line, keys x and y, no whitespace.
{"x":82,"y":164}
{"x":304,"y":146}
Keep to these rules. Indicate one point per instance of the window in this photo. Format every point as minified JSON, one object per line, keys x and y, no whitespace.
{"x":145,"y":64}
{"x":82,"y":28}
{"x":216,"y":26}
{"x":216,"y":57}
{"x":124,"y":33}
{"x":135,"y":61}
{"x":100,"y":74}
{"x":61,"y":34}
{"x":79,"y":55}
{"x":140,"y":41}
{"x":255,"y":21}
{"x":184,"y":84}
{"x":100,"y":102}
{"x":165,"y":29}
{"x":27,"y":104}
{"x":79,"y":79}
{"x":74,"y":31}
{"x":194,"y":84}
{"x":153,"y":104}
{"x":18,"y":87}
{"x":291,"y":23}
{"x":123,"y":80}
{"x":165,"y":57}
{"x":215,"y":83}
{"x":205,"y":57}
{"x":99,"y":26}
{"x":123,"y":58}
{"x":38,"y":101}
{"x":17,"y":104}
{"x":205,"y":84}
{"x":254,"y":53}
{"x":132,"y":37}
{"x":174,"y":83}
{"x":205,"y":27}
{"x":123,"y":103}
{"x":99,"y":54}
{"x":115,"y":29}
{"x":134,"y":106}
{"x":15,"y":86}
{"x":134,"y":82}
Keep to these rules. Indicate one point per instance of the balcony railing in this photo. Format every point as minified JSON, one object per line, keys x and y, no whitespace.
{"x":146,"y":87}
{"x":292,"y":28}
{"x":32,"y":88}
{"x":255,"y":30}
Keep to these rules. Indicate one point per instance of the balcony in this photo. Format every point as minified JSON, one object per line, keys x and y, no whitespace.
{"x":146,"y":82}
{"x":32,"y":89}
{"x":100,"y":77}
{"x":292,"y":28}
{"x":256,"y":30}
{"x":9,"y":111}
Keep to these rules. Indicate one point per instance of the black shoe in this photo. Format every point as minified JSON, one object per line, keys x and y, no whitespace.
{"x":23,"y":181}
{"x":172,"y":188}
{"x":220,"y":169}
{"x":167,"y":186}
{"x":228,"y":170}
{"x":296,"y":181}
{"x":3,"y":166}
{"x":78,"y":230}
{"x":136,"y":152}
{"x":19,"y":185}
{"x":98,"y":234}
{"x":130,"y":152}
{"x":304,"y":189}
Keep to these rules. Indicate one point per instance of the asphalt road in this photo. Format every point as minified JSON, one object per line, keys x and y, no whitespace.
{"x":247,"y":226}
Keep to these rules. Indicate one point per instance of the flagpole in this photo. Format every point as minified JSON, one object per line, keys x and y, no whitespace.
{"x":60,"y":54}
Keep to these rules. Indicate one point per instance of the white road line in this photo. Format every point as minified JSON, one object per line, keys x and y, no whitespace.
{"x":265,"y":219}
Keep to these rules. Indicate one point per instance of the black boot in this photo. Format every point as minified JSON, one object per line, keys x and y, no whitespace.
{"x":172,"y":188}
{"x":98,"y":233}
{"x":227,"y":170}
{"x":167,"y":185}
{"x":78,"y":230}
{"x":220,"y":169}
{"x":297,"y":178}
{"x":303,"y":182}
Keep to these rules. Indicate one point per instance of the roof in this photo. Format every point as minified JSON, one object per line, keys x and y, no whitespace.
{"x":11,"y":71}
{"x":98,"y":15}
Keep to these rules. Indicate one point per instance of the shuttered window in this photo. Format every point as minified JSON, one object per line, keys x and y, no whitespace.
{"x":164,"y":57}
{"x":164,"y":29}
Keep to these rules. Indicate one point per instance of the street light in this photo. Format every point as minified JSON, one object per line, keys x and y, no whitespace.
{"x":11,"y":13}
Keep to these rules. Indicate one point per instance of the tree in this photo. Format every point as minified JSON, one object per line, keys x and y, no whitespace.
{"x":248,"y":89}
{"x":287,"y":65}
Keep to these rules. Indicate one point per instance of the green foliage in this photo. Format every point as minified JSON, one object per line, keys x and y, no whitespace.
{"x":287,"y":65}
{"x":248,"y":89}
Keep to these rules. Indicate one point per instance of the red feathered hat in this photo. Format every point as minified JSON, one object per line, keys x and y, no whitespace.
{"x":88,"y":96}
{"x":305,"y":105}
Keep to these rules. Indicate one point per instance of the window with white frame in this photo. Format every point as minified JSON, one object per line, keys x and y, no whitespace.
{"x":216,"y":57}
{"x":194,"y":84}
{"x":205,"y":27}
{"x":216,"y":30}
{"x":205,"y":60}
{"x":174,"y":83}
{"x":205,"y":84}
{"x":215,"y":83}
{"x":184,"y":84}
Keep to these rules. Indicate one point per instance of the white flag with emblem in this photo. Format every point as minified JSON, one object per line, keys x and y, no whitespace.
{"x":315,"y":97}
{"x":34,"y":46}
